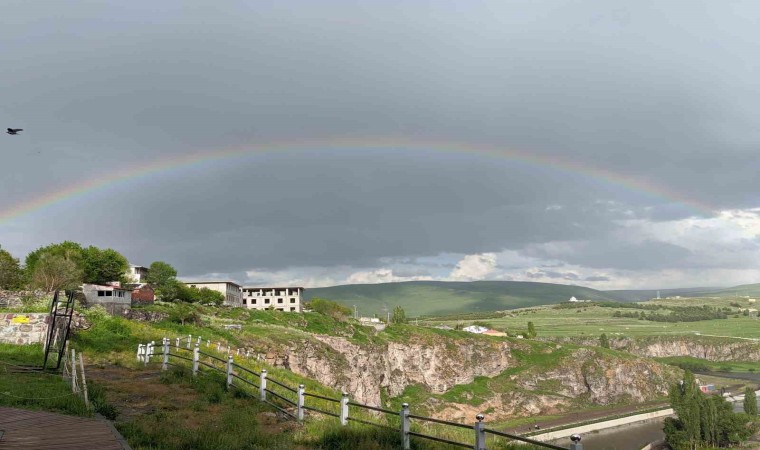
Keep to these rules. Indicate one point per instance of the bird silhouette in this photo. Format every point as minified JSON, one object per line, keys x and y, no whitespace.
{"x":14,"y":131}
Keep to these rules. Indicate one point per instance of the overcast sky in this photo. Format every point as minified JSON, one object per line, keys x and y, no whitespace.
{"x":662,"y":95}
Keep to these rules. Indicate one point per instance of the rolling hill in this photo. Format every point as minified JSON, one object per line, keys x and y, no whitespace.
{"x":428,"y":298}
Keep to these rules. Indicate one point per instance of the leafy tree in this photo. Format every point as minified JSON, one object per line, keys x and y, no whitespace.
{"x":684,"y":399}
{"x":750,"y":401}
{"x":399,"y":315}
{"x":329,"y":308}
{"x":103,"y":266}
{"x":209,"y":296}
{"x":67,"y":249}
{"x":182,"y":313}
{"x":604,"y":342}
{"x":11,"y":274}
{"x":160,"y":274}
{"x":531,"y":331}
{"x":53,"y":272}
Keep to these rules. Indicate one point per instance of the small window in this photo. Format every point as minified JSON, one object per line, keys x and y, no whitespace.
{"x":253,"y":301}
{"x":245,"y":302}
{"x":292,"y":308}
{"x":266,"y":300}
{"x":109,"y":293}
{"x":279,"y":300}
{"x":292,"y":300}
{"x":101,"y":293}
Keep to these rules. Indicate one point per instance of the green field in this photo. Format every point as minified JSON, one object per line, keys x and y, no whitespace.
{"x":594,"y":320}
{"x":426,"y":298}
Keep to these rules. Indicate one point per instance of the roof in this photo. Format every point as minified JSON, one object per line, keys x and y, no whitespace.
{"x":107,"y":286}
{"x":211,"y":282}
{"x":270,"y":287}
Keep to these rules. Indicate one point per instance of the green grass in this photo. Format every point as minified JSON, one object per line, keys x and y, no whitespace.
{"x":39,"y":391}
{"x":698,"y":364}
{"x":591,"y":321}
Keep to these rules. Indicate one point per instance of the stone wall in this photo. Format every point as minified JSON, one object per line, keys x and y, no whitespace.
{"x":24,"y":328}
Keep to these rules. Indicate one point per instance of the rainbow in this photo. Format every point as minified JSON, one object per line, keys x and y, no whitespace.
{"x":184,"y":162}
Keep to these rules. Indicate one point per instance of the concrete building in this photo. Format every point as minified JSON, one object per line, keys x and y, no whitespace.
{"x":279,"y":298}
{"x":142,"y":294}
{"x":113,"y":298}
{"x":138,"y":273}
{"x":230,"y":290}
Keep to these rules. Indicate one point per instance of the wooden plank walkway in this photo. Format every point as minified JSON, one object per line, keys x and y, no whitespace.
{"x":24,"y":429}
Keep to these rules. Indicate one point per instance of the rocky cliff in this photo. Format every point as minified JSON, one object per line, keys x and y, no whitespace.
{"x":704,"y":347}
{"x":439,"y":363}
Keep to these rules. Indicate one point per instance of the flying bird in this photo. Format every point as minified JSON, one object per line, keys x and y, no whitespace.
{"x":14,"y":131}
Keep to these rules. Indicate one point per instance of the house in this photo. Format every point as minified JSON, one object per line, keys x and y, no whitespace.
{"x":475,"y":329}
{"x":113,"y":298}
{"x":279,"y":298}
{"x":138,"y":274}
{"x":230,"y":290}
{"x":573,"y":300}
{"x":142,"y":294}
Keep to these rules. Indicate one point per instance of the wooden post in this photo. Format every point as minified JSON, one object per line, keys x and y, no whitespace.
{"x":84,"y":383}
{"x":405,"y":426}
{"x":480,"y":433}
{"x":263,"y":385}
{"x":196,"y":358}
{"x":344,"y":409}
{"x":301,"y":398}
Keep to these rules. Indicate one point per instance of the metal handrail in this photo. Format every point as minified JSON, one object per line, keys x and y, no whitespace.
{"x":283,"y":385}
{"x":311,"y":408}
{"x":524,"y":439}
{"x":443,"y":422}
{"x":374,"y":408}
{"x":437,"y":439}
{"x":308,"y":394}
{"x":245,"y":381}
{"x":374,"y":424}
{"x":246,"y":370}
{"x":281,"y":397}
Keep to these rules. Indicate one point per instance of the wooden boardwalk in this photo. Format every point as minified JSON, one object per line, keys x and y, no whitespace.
{"x":24,"y":429}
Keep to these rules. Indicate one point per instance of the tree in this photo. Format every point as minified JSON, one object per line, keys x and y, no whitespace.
{"x":160,"y":274}
{"x":399,"y":315}
{"x":210,"y":297}
{"x":329,"y":308}
{"x":684,"y":399}
{"x":11,"y":274}
{"x":603,"y":341}
{"x":67,"y":249}
{"x":103,"y":266}
{"x":750,"y":401}
{"x":53,"y":272}
{"x":531,"y":331}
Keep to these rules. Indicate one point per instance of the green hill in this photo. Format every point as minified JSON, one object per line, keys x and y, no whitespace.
{"x":431,"y":298}
{"x":642,"y":295}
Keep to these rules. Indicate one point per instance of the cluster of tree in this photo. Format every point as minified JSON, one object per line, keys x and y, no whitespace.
{"x":703,"y":420}
{"x":399,"y":315}
{"x":61,"y":266}
{"x":604,"y":341}
{"x":531,"y":331}
{"x":163,"y":277}
{"x":677,"y":314}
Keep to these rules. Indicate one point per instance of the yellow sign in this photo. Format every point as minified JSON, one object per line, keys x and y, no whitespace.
{"x":20,"y":319}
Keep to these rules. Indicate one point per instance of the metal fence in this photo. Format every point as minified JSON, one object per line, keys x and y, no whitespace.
{"x":292,"y":401}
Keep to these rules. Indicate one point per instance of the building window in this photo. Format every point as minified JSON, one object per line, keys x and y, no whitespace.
{"x":292,"y":300}
{"x":245,"y":302}
{"x":109,"y":293}
{"x":266,"y":300}
{"x":279,"y":300}
{"x":292,"y":308}
{"x":279,"y":309}
{"x":253,"y":301}
{"x":101,"y":293}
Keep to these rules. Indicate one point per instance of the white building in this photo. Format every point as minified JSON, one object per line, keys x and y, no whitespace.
{"x":230,"y":290}
{"x":138,"y":273}
{"x":573,"y":300}
{"x":112,"y":298}
{"x":475,"y":329}
{"x":279,"y":298}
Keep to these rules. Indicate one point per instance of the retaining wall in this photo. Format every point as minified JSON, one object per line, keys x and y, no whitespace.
{"x":559,"y":434}
{"x":24,"y":328}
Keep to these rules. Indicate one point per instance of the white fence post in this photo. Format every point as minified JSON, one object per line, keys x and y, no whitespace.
{"x":199,"y":340}
{"x":145,"y":353}
{"x":177,"y":343}
{"x":208,"y":342}
{"x":301,"y":390}
{"x":263,"y":385}
{"x":405,"y":426}
{"x":196,"y":358}
{"x":165,"y":364}
{"x":73,"y":370}
{"x":229,"y":371}
{"x":480,"y":434}
{"x":139,"y":352}
{"x":344,"y":409}
{"x":189,"y":341}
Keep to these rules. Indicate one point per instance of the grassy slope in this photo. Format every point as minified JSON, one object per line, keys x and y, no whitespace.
{"x":647,"y":294}
{"x":594,"y":320}
{"x":438,"y":297}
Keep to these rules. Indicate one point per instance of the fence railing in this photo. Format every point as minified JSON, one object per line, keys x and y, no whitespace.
{"x":73,"y":372}
{"x":292,"y":401}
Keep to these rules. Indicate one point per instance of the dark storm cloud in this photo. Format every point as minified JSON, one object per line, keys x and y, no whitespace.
{"x":665,"y":93}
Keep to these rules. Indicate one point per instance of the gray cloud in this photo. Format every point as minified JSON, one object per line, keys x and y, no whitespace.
{"x":660,"y":93}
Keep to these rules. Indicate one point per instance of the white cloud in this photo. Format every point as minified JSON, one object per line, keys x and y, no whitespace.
{"x":381,"y":275}
{"x":474,"y":267}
